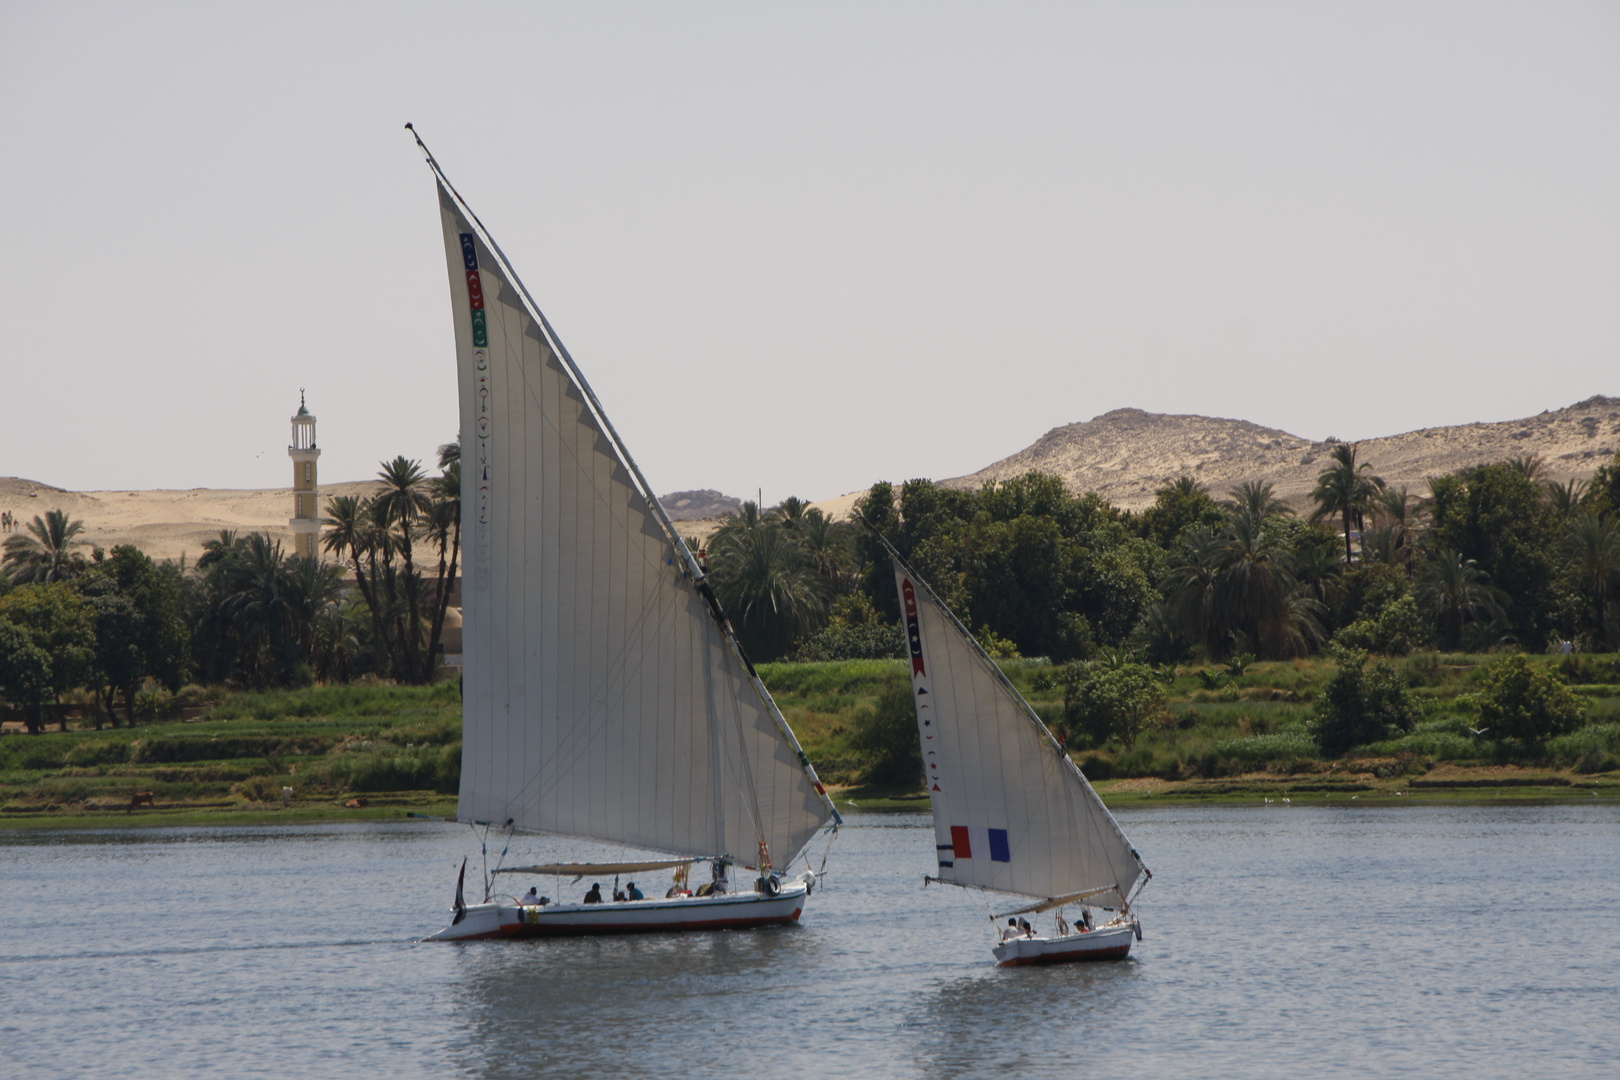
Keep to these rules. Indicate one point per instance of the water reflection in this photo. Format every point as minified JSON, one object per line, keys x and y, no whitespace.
{"x":637,"y":1006}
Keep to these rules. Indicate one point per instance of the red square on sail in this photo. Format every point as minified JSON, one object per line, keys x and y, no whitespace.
{"x":959,"y":842}
{"x":475,"y":291}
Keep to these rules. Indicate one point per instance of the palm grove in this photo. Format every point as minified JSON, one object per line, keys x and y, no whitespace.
{"x":1492,"y":557}
{"x":119,"y":634}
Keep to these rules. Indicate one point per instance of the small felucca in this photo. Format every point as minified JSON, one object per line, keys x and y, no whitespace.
{"x":1012,"y":813}
{"x":604,"y":693}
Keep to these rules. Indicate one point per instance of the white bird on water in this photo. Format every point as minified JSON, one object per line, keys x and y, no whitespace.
{"x":1290,"y":802}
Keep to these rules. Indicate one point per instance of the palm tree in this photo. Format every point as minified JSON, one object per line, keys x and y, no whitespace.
{"x":791,"y":512}
{"x":1345,"y":489}
{"x":257,"y":605}
{"x":1395,"y":519}
{"x":47,"y":554}
{"x":1529,"y":466}
{"x":1454,"y":590}
{"x":826,"y":544}
{"x":1255,"y":498}
{"x":351,"y":530}
{"x":1592,"y":546}
{"x":766,"y":585}
{"x":217,"y":550}
{"x":1189,"y":587}
{"x":1257,"y":594}
{"x":444,"y":530}
{"x":1564,"y":499}
{"x":309,"y":587}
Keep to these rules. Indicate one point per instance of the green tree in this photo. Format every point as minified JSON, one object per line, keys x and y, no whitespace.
{"x":1519,"y":700}
{"x":854,"y":631}
{"x":885,"y":737}
{"x":1360,"y":705}
{"x":444,"y":532}
{"x":1176,"y":506}
{"x":1454,"y":591}
{"x":57,"y":620}
{"x":47,"y":551}
{"x":1346,"y":490}
{"x":1592,"y":547}
{"x":404,"y":503}
{"x":766,"y":585}
{"x":25,"y":673}
{"x":1496,"y":516}
{"x":1103,"y":701}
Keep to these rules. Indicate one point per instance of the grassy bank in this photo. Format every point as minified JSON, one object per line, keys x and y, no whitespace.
{"x":358,"y":752}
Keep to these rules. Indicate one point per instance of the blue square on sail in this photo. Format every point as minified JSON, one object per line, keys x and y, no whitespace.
{"x":469,"y":253}
{"x":999,"y":850}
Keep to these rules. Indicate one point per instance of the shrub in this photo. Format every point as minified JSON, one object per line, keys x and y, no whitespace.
{"x":1519,"y":700}
{"x":1395,"y":631}
{"x":1361,"y":705}
{"x":1595,"y":748}
{"x":1100,"y":702}
{"x":885,"y":737}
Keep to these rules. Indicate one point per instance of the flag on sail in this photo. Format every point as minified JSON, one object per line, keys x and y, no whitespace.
{"x":1011,"y":811}
{"x":600,"y":698}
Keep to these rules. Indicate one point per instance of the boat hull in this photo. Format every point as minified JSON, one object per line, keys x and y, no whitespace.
{"x":733,"y":911}
{"x":1112,"y":943}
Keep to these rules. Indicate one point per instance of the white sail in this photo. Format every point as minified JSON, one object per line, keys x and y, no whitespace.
{"x":1011,"y":811}
{"x":600,"y":697}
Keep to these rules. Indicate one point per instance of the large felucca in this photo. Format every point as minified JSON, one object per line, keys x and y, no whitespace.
{"x":605,"y":695}
{"x":1012,"y":813}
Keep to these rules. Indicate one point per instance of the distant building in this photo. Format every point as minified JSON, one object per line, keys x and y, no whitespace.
{"x":306,"y":521}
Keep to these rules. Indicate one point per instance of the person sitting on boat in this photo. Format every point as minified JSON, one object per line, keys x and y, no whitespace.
{"x":1085,"y":920}
{"x":633,"y":893}
{"x":532,"y":898}
{"x":595,"y":895}
{"x":1023,"y":924}
{"x":1012,"y":930}
{"x":618,"y":896}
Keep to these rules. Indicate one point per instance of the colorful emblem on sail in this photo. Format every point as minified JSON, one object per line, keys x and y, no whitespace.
{"x":475,"y":291}
{"x":962,"y":844}
{"x":913,"y":633}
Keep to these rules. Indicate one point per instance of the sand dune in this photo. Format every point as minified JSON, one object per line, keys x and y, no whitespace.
{"x":1124,"y":455}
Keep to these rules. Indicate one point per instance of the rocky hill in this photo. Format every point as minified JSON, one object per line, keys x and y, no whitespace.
{"x":1127,"y":454}
{"x":705,"y":505}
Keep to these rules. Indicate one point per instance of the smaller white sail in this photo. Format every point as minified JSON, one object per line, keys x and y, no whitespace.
{"x":1012,"y":813}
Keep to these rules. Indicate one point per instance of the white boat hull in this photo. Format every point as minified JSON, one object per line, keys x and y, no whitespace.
{"x":1109,"y":943}
{"x":732,"y":911}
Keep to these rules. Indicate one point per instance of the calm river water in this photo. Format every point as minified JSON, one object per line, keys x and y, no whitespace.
{"x":1279,"y":941}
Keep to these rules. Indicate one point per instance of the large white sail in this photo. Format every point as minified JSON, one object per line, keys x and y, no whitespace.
{"x":600,"y":697}
{"x":1011,"y":811}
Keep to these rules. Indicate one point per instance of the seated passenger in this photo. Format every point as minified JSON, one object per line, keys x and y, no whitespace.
{"x":633,"y":893}
{"x":595,"y":895}
{"x":531,"y":898}
{"x":1023,"y":924}
{"x":618,"y":896}
{"x":1012,"y":930}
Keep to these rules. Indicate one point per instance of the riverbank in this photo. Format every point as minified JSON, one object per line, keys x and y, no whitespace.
{"x":380,"y":752}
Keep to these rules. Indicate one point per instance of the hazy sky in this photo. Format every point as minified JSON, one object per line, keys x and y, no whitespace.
{"x":799,"y":247}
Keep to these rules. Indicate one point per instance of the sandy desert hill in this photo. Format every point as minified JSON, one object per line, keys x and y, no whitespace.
{"x":164,"y":524}
{"x":169,"y":524}
{"x":1124,"y":455}
{"x":1127,"y":454}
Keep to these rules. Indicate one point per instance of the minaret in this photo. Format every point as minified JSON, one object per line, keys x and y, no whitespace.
{"x":306,"y":522}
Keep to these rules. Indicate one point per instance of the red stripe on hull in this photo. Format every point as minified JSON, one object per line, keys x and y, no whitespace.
{"x":1075,"y":956}
{"x":528,"y":930}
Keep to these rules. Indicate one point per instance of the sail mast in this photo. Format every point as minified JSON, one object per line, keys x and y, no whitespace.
{"x":690,"y":567}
